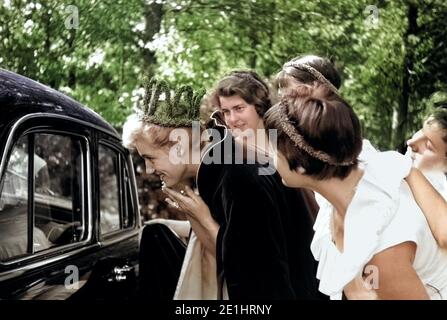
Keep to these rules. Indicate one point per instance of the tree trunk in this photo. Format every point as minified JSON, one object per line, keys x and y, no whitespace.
{"x":401,"y":123}
{"x":72,"y":70}
{"x":153,"y":17}
{"x":252,"y":35}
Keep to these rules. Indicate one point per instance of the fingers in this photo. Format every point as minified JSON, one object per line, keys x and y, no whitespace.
{"x":172,"y":203}
{"x":186,"y":199}
{"x":182,"y":200}
{"x":174,"y":194}
{"x":191,"y":193}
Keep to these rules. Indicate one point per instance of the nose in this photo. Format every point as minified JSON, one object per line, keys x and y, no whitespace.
{"x":149,"y":168}
{"x":417,"y":142}
{"x":232,"y":118}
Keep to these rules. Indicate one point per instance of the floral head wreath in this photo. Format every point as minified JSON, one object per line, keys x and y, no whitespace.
{"x":159,"y":108}
{"x":299,"y":141}
{"x":317,"y":75}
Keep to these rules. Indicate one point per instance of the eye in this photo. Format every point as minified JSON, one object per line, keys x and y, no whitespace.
{"x":225,"y":112}
{"x":239,"y":108}
{"x":429,"y":145}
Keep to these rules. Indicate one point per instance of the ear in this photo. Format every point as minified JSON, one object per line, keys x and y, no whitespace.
{"x":180,"y":150}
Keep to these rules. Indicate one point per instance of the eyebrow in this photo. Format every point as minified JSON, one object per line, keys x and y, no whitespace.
{"x":232,"y":107}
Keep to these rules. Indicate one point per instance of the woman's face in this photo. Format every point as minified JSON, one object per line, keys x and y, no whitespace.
{"x":158,"y":161}
{"x":238,"y":114}
{"x":429,"y":149}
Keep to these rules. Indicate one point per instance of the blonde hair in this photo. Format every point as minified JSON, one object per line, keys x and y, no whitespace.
{"x":135,"y":128}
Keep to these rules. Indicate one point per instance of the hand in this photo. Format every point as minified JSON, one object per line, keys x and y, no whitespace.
{"x":190,"y":203}
{"x":198,"y":214}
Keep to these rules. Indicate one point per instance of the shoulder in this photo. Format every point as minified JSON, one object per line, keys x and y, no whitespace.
{"x":367,"y":150}
{"x":389,"y":162}
{"x":387,"y":170}
{"x":245,"y":174}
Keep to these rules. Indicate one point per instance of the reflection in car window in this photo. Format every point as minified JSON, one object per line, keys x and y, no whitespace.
{"x":109,"y":190}
{"x":58,"y":188}
{"x":14,"y":203}
{"x":58,"y":202}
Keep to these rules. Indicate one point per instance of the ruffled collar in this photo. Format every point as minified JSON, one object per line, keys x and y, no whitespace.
{"x":371,"y":210}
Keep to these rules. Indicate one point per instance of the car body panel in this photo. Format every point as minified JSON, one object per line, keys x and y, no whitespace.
{"x":96,"y":267}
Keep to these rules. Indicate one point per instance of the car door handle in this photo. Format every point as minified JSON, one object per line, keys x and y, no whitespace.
{"x":120,"y":274}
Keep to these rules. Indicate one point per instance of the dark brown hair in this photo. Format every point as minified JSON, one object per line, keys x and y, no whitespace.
{"x":439,"y":117}
{"x":246,"y":84}
{"x":290,"y":76}
{"x":326,"y":122}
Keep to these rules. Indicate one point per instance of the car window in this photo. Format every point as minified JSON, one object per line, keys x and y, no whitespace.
{"x":58,"y":201}
{"x":53,"y":213}
{"x":109,"y":190}
{"x":14,"y":203}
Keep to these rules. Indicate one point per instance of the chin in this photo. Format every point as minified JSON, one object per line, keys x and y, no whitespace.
{"x":169,"y":183}
{"x":172,"y":182}
{"x":236,"y":132}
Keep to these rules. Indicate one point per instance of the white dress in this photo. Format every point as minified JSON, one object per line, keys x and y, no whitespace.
{"x":198,"y":280}
{"x":382,"y":214}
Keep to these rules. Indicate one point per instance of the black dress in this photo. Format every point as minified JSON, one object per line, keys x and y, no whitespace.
{"x":263,"y":244}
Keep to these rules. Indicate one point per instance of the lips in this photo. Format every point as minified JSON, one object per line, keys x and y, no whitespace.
{"x":161,"y":175}
{"x":240,"y":127}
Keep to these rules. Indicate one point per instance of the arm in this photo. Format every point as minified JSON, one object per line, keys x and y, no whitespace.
{"x":432,"y":204}
{"x":397,"y":278}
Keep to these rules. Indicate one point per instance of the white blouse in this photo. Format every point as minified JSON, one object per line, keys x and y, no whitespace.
{"x":439,"y":182}
{"x":382,"y":214}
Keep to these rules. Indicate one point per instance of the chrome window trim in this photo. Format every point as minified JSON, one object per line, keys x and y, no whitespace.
{"x":109,"y":237}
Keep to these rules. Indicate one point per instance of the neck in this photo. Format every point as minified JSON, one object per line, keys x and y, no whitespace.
{"x":192,"y":170}
{"x":339,"y":192}
{"x":189,"y":177}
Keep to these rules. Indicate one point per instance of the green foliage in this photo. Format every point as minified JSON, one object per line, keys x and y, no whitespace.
{"x":179,"y":111}
{"x":390,"y":69}
{"x":97,"y":63}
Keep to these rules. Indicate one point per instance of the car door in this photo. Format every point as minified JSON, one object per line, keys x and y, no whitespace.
{"x":49,"y":243}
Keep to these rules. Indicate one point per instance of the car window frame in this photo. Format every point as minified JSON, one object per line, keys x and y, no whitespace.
{"x":123,"y":164}
{"x":53,"y":124}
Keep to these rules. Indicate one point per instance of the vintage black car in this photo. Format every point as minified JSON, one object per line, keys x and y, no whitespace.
{"x":69,"y":218}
